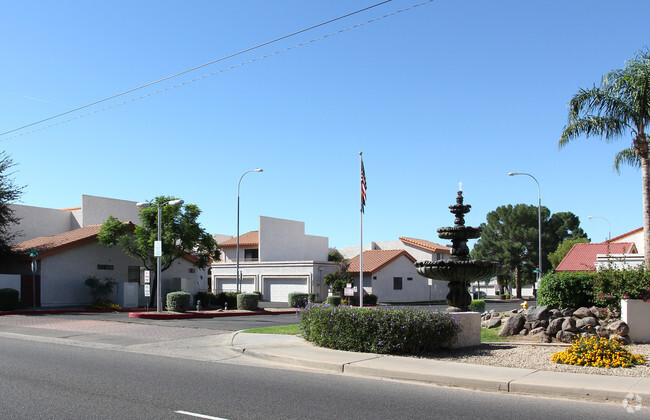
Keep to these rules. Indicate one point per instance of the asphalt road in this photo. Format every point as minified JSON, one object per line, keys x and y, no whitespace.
{"x":40,"y":380}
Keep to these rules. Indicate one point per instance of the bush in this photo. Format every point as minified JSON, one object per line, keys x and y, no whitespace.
{"x":311,"y":298}
{"x":370,"y":299}
{"x":259,"y":295}
{"x":207,"y":299}
{"x":247,"y":301}
{"x":8,"y":299}
{"x":477,"y":306}
{"x":297,"y":300}
{"x":101,"y":290}
{"x":502,"y":296}
{"x":566,"y":290}
{"x":105,"y":306}
{"x":597,"y":352}
{"x":611,"y":285}
{"x":378,"y":330}
{"x":333,"y":300}
{"x":178,"y":301}
{"x":228,"y":299}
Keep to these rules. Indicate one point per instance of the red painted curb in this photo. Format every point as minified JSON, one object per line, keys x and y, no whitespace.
{"x":176,"y":315}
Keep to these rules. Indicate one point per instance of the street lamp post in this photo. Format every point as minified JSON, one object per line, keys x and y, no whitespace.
{"x":539,"y":222}
{"x":157,"y":249}
{"x":609,"y":227}
{"x":237,"y":281}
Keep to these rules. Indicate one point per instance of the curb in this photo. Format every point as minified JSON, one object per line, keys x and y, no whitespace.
{"x":190,"y":315}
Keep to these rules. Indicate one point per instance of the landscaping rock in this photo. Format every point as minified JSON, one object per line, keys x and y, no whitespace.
{"x":536,"y":313}
{"x":623,"y":339}
{"x":567,"y":312}
{"x":619,"y":328}
{"x":586,"y":324}
{"x":583,"y":313}
{"x":537,"y":330}
{"x":545,"y":337}
{"x":513,"y":325}
{"x":602,"y":331}
{"x":541,"y":323}
{"x":555,"y":326}
{"x":554,"y":313}
{"x":523,"y":332}
{"x":569,"y":325}
{"x":565,"y":336}
{"x":493,"y":323}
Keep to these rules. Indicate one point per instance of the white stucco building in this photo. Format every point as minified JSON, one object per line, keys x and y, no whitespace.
{"x":69,"y":253}
{"x":275,"y":260}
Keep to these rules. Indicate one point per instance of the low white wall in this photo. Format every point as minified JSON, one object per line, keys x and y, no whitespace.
{"x":636,"y":313}
{"x":10,"y":281}
{"x":470,"y":334}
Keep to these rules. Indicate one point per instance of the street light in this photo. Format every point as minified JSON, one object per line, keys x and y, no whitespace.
{"x":237,"y":282}
{"x":609,"y":227}
{"x":157,"y":249}
{"x":539,"y":222}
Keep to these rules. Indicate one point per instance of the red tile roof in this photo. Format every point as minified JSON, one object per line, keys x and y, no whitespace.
{"x":428,"y":245}
{"x":630,"y":233}
{"x":50,"y":245}
{"x":582,"y":257}
{"x":374,"y":261}
{"x":247,"y":239}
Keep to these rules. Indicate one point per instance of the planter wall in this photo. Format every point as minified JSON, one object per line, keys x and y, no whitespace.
{"x":636,"y":314}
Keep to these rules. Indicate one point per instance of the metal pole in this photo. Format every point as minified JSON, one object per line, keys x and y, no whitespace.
{"x":609,"y":227}
{"x":237,"y":281}
{"x":361,"y":237}
{"x":158,"y":266}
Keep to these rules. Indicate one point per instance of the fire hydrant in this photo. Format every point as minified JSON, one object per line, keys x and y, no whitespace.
{"x":524,"y":305}
{"x":198,"y":306}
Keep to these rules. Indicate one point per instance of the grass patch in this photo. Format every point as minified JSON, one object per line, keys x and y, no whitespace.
{"x":292,"y":329}
{"x":491,"y":336}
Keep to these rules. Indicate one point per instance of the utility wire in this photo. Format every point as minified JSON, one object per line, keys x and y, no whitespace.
{"x":195,"y":68}
{"x":206,"y":75}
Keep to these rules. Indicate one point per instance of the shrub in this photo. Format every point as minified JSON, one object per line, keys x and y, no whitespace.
{"x":297,"y":300}
{"x":8,"y":299}
{"x":369,"y":299}
{"x":566,"y":290}
{"x":378,"y":330}
{"x":101,"y":290}
{"x":311,"y":298}
{"x":178,"y":301}
{"x":224,"y":299}
{"x":109,"y":306}
{"x":611,"y":285}
{"x":247,"y":301}
{"x":259,"y":295}
{"x":206,"y":298}
{"x":333,"y":300}
{"x":477,"y":306}
{"x":597,"y":352}
{"x":502,"y":296}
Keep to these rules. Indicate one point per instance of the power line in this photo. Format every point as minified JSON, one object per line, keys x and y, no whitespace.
{"x":209,"y":74}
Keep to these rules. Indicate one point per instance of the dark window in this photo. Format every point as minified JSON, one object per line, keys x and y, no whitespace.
{"x":134,"y":274}
{"x":251,"y":254}
{"x":409,"y":278}
{"x":397,"y":283}
{"x":191,"y":270}
{"x":105,"y":267}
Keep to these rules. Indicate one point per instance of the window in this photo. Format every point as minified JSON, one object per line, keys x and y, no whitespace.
{"x":251,"y":254}
{"x":409,"y":279}
{"x":105,"y":267}
{"x":397,"y":283}
{"x":191,"y":270}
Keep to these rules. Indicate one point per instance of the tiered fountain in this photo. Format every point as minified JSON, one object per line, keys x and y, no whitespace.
{"x":458,"y":270}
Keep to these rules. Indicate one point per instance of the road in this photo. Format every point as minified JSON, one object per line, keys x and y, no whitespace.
{"x":41,"y":380}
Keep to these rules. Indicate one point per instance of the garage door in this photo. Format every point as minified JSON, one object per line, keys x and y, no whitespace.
{"x":230,"y":285}
{"x":277,"y":290}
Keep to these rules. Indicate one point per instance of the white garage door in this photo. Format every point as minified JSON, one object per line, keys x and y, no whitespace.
{"x":277,"y":290}
{"x":230,"y":285}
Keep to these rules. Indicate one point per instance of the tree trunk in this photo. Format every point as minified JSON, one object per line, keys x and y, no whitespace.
{"x":645,"y":182}
{"x":518,"y":281}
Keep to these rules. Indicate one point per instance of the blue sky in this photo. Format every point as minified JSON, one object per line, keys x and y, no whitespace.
{"x":447,"y":92}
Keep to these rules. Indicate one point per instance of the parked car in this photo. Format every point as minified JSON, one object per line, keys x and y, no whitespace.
{"x":479,"y":295}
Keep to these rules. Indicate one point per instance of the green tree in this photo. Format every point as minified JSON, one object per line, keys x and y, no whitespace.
{"x":9,"y":192}
{"x":556,"y":257}
{"x":620,"y":106}
{"x":511,"y":236}
{"x":182,"y":237}
{"x":337,"y":280}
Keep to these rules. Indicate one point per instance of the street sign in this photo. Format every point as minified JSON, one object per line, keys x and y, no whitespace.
{"x":157,"y":249}
{"x":147,"y":290}
{"x":349,"y":291}
{"x":147,"y":276}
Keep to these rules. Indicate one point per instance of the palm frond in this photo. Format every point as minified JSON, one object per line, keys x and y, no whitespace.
{"x":607,"y":127}
{"x":628,"y":157}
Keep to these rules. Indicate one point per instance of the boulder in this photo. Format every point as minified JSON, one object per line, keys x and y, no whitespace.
{"x":569,"y":325}
{"x":554,"y":326}
{"x":528,"y":326}
{"x":583,"y":313}
{"x":493,"y":323}
{"x":545,"y":337}
{"x":513,"y":325}
{"x":587,"y":324}
{"x":555,"y":313}
{"x":537,"y":330}
{"x":537,"y":313}
{"x":565,"y":336}
{"x":619,"y":328}
{"x":567,"y":312}
{"x":597,"y":311}
{"x":623,"y":339}
{"x":523,"y":332}
{"x":602,"y":332}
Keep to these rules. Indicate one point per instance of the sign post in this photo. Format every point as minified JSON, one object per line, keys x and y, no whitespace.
{"x":34,"y":253}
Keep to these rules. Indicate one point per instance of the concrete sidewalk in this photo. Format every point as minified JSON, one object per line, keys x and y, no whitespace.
{"x":294,"y":351}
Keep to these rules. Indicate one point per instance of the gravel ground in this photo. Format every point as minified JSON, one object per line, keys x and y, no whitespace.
{"x":538,"y":357}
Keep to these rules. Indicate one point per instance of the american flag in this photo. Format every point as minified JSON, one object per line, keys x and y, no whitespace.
{"x":363,"y":187}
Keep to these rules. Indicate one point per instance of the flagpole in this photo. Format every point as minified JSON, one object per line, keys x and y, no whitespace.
{"x":362,"y":172}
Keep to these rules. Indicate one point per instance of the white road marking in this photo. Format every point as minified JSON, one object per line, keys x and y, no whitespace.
{"x":201,"y":416}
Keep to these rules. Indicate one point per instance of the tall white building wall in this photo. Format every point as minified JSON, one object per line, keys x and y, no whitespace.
{"x":285,"y":240}
{"x":40,"y":221}
{"x":95,"y":210}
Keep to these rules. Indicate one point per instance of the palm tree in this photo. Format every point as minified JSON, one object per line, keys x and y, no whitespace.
{"x":620,"y":105}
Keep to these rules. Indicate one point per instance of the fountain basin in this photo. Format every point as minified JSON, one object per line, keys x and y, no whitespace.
{"x":457,"y":270}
